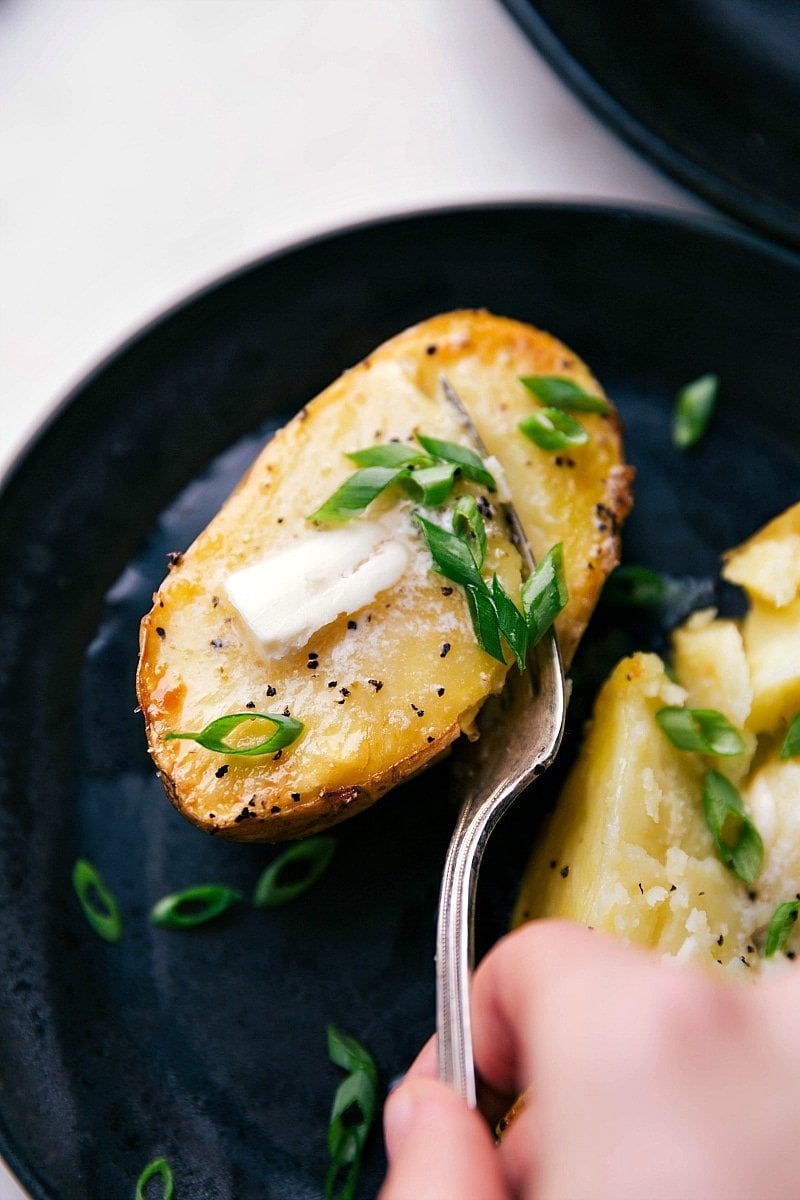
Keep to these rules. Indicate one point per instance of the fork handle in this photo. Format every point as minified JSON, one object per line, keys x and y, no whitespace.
{"x":455,"y":952}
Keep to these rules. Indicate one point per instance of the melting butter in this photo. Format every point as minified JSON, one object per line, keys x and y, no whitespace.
{"x":288,"y":596}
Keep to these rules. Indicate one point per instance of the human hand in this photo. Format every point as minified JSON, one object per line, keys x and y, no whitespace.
{"x":647,"y":1079}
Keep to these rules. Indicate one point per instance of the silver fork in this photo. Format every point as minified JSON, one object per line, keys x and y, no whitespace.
{"x":520,"y":732}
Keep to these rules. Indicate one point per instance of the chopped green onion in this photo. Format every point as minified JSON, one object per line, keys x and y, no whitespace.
{"x":468,"y":525}
{"x":513,"y":625}
{"x":194,"y":906}
{"x":160,"y":1167}
{"x":288,"y":730}
{"x":557,"y":392}
{"x":357,"y":493}
{"x":428,"y":476}
{"x":545,"y":594}
{"x":701,"y":729}
{"x":294,"y":872}
{"x":452,"y":557}
{"x":781,"y":924}
{"x":737,"y":840}
{"x":633,"y":586}
{"x":352,"y":1113}
{"x":468,"y":462}
{"x":485,"y":621}
{"x":694,"y":405}
{"x":791,"y":743}
{"x":99,"y":906}
{"x":552,"y":429}
{"x":430,"y":485}
{"x":389,"y":454}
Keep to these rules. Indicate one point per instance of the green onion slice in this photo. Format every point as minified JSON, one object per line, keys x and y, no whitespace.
{"x":694,"y":405}
{"x":287,"y":730}
{"x":552,"y":429}
{"x":468,"y":462}
{"x":632,"y":586}
{"x":557,"y":392}
{"x":294,"y":872}
{"x":99,"y":906}
{"x":468,"y":525}
{"x":193,"y":906}
{"x":452,"y":557}
{"x":781,"y":924}
{"x":485,"y":621}
{"x":512,"y":623}
{"x":352,"y":1113}
{"x":430,"y":485}
{"x":160,"y":1167}
{"x":791,"y":743}
{"x":545,"y":594}
{"x":737,"y":840}
{"x":701,"y":729}
{"x":357,"y":493}
{"x":389,"y":454}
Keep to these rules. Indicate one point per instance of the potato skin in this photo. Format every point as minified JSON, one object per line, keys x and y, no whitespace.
{"x":197,"y":663}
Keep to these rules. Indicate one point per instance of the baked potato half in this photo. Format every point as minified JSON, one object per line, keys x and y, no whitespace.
{"x":390,"y":674}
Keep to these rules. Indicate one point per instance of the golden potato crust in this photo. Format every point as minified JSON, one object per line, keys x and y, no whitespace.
{"x":380,"y":696}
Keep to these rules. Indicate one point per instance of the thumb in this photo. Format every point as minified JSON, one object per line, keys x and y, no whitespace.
{"x":439,"y":1149}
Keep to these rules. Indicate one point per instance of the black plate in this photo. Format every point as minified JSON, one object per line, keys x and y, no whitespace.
{"x":209,"y":1046}
{"x":709,"y":91}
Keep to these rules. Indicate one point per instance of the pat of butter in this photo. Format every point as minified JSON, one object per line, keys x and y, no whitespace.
{"x":287,"y":597}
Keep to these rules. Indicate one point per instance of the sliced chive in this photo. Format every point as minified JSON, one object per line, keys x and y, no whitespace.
{"x":558,"y":392}
{"x":551,"y":429}
{"x":193,"y":906}
{"x":781,"y":925}
{"x":468,"y":524}
{"x":294,"y":872}
{"x":736,"y":838}
{"x":485,"y":622}
{"x":694,"y":406}
{"x":352,"y":1113}
{"x":545,"y":594}
{"x":99,"y":905}
{"x":357,"y":493}
{"x":430,"y":485}
{"x":452,"y":557}
{"x":389,"y":454}
{"x":791,"y":743}
{"x":703,"y":730}
{"x":513,"y":625}
{"x":348,"y":1053}
{"x":287,"y":730}
{"x":160,"y":1167}
{"x":469,"y":463}
{"x":632,"y":586}
{"x":428,"y":474}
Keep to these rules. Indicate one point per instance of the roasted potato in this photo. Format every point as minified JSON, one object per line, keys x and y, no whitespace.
{"x":628,"y":849}
{"x":383,"y":689}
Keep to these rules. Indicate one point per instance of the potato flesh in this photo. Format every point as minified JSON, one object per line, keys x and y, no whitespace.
{"x":630,"y":825}
{"x":385,"y":697}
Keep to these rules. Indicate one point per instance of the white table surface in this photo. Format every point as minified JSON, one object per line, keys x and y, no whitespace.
{"x":147,"y":146}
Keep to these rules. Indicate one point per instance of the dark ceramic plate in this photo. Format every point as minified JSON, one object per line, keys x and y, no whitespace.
{"x":709,"y":91}
{"x":208,"y":1046}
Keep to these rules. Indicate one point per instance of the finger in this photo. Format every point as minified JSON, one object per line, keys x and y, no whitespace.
{"x":425,"y":1065}
{"x":438,"y":1148}
{"x":524,"y":983}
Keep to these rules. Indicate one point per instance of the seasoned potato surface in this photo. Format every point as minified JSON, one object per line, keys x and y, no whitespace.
{"x":383,"y":690}
{"x":628,"y":849}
